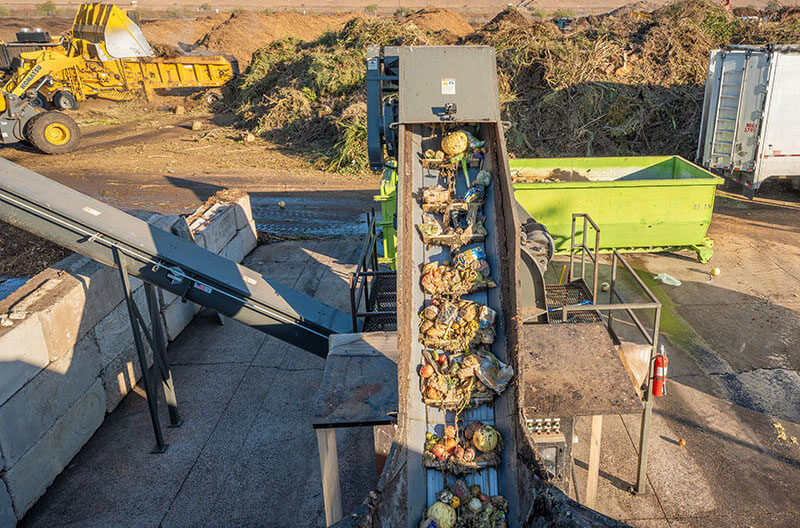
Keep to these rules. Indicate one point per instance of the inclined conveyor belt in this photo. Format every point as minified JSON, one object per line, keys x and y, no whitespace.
{"x":97,"y":230}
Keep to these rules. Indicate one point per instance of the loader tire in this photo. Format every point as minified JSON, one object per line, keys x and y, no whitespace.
{"x":64,"y":100}
{"x":53,"y":133}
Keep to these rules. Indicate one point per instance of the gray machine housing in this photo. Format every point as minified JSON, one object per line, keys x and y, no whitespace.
{"x":436,"y":87}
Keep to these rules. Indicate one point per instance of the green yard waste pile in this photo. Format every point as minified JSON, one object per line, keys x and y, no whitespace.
{"x":626,"y":83}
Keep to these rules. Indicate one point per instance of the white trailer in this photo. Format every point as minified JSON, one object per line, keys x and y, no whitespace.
{"x":750,"y":130}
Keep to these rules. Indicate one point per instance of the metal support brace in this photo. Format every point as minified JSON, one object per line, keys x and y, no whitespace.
{"x":158,"y":345}
{"x":160,"y":357}
{"x":644,"y":433}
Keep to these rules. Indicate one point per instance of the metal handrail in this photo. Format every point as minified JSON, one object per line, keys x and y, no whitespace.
{"x":587,"y":220}
{"x":366,"y":270}
{"x":611,"y":307}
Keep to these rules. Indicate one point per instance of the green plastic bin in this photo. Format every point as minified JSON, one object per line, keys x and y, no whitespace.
{"x":641,"y":204}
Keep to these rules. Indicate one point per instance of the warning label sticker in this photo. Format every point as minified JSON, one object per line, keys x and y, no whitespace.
{"x":448,"y":86}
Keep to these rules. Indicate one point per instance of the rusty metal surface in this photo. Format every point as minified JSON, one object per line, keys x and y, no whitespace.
{"x":573,"y":370}
{"x":359,"y":387}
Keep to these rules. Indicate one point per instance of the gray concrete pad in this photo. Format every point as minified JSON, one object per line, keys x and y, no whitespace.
{"x":618,"y":461}
{"x":246,"y":454}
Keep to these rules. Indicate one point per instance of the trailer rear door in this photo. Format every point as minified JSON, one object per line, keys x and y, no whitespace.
{"x":734,"y":103}
{"x":781,"y":138}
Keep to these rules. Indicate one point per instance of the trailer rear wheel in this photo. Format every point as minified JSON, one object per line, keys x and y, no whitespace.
{"x":213,"y":96}
{"x":64,"y":100}
{"x":53,"y":133}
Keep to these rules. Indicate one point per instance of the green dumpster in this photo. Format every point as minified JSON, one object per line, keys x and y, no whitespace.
{"x":641,"y":204}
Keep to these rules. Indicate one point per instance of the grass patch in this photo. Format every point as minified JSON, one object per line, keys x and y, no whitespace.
{"x":47,"y":9}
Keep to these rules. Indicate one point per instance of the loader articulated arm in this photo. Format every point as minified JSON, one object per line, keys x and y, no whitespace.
{"x":101,"y":232}
{"x":36,"y":65}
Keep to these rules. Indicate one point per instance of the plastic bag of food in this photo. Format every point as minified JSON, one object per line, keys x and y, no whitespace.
{"x":430,"y":226}
{"x":493,"y":373}
{"x":447,"y":313}
{"x":473,"y":142}
{"x":459,"y":218}
{"x":486,"y":317}
{"x":475,"y":194}
{"x":466,"y":258}
{"x":435,"y":195}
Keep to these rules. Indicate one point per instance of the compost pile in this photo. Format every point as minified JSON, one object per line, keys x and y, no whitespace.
{"x":310,"y":96}
{"x":179,"y":33}
{"x":244,"y":32}
{"x":445,"y":24}
{"x":627,"y":83}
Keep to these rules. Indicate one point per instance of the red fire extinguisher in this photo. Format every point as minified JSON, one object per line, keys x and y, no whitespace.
{"x":660,"y":372}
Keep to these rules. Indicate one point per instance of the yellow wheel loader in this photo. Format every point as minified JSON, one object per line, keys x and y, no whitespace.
{"x":22,"y":120}
{"x":115,"y":62}
{"x":105,"y":55}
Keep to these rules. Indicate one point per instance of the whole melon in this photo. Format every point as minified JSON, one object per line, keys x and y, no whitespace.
{"x":485,"y":438}
{"x":443,"y":514}
{"x":455,"y":143}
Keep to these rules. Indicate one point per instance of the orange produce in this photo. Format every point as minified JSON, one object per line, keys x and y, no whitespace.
{"x":427,"y":371}
{"x":450,"y":431}
{"x":433,"y":393}
{"x":450,"y":444}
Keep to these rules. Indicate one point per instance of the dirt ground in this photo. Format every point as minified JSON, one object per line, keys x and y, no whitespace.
{"x":144,"y":157}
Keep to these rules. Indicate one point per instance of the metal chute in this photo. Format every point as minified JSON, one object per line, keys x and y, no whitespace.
{"x":109,"y":26}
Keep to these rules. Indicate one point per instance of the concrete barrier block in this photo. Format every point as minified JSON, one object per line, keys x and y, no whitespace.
{"x":121,"y":375}
{"x":166,"y":298}
{"x":215,"y":231}
{"x":28,"y":479}
{"x":234,"y":250}
{"x":102,"y":291}
{"x":250,"y":237}
{"x":58,"y":299}
{"x":164,"y":222}
{"x":113,"y":332}
{"x":244,"y":212}
{"x":177,"y":316}
{"x":7,"y":517}
{"x":23,"y":354}
{"x":38,"y":405}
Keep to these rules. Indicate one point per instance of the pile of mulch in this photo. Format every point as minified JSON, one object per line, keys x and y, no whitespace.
{"x":244,"y":32}
{"x":24,"y":255}
{"x":447,"y":24}
{"x":623,"y":84}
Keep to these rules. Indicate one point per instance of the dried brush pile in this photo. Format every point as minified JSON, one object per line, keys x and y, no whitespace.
{"x":630,"y":84}
{"x":623,"y":84}
{"x":310,"y":96}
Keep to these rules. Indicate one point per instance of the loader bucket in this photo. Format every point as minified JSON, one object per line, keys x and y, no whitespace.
{"x":108,"y":25}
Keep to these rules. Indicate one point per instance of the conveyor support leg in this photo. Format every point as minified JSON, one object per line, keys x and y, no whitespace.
{"x":136,"y":320}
